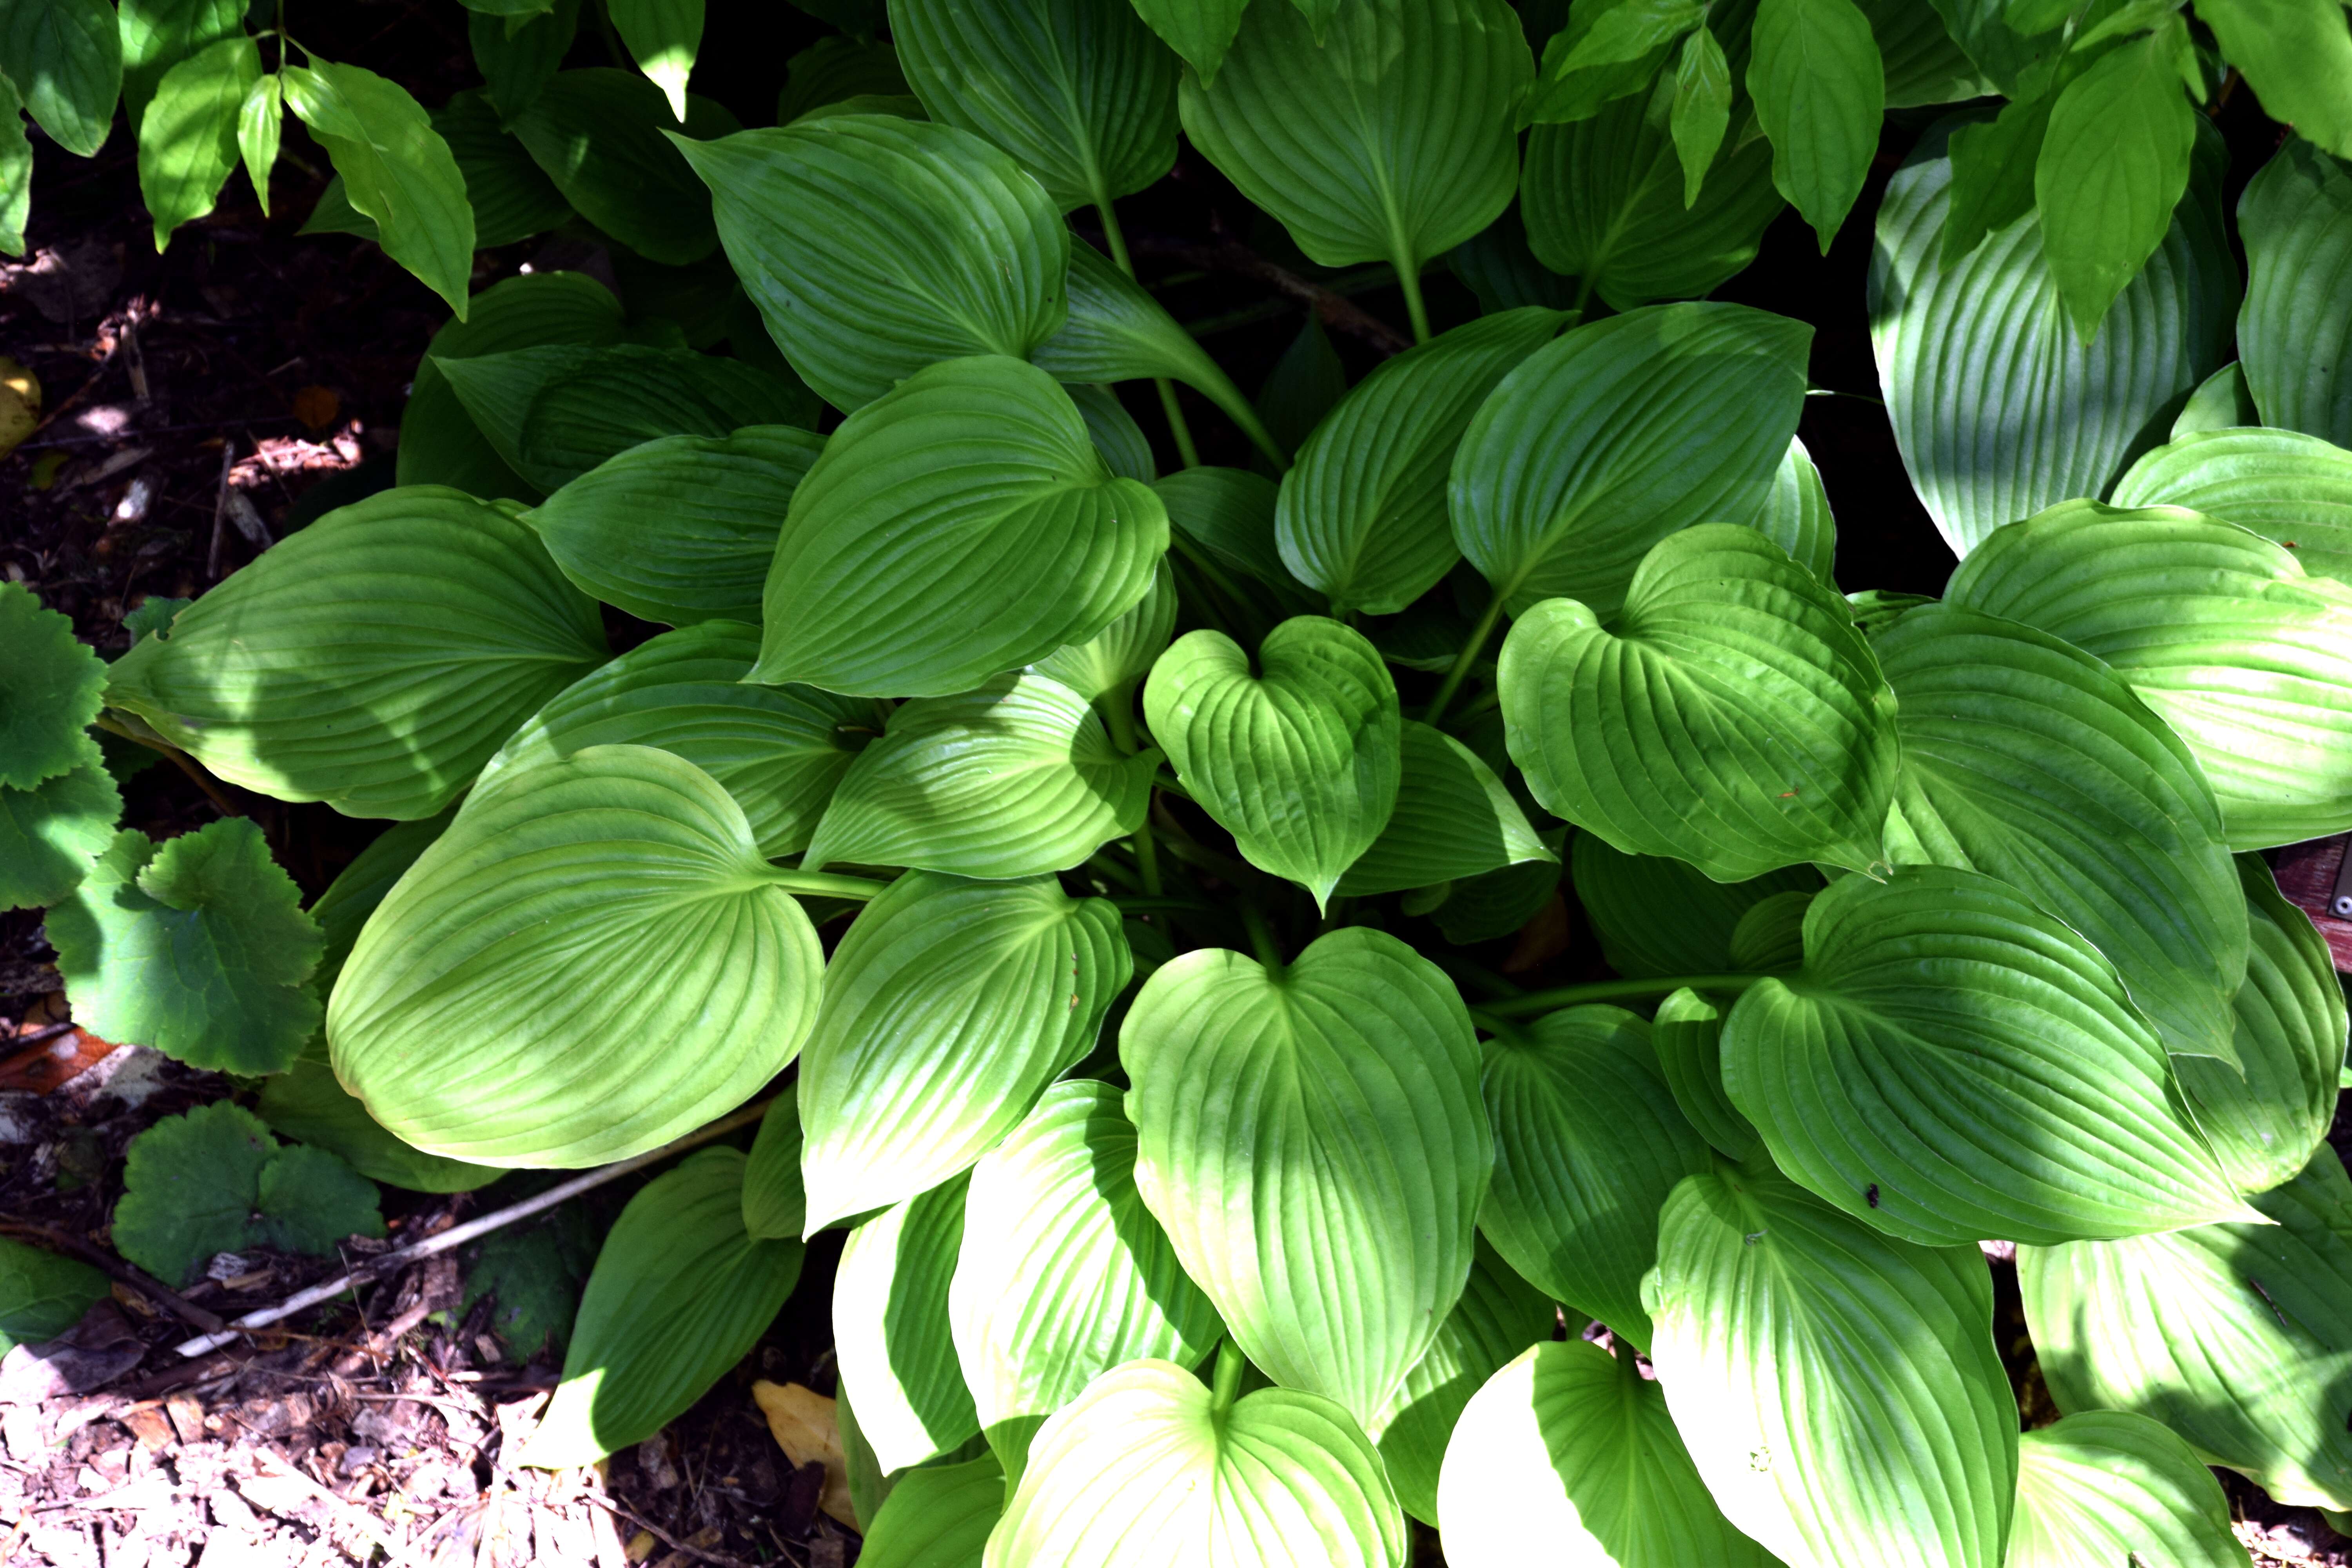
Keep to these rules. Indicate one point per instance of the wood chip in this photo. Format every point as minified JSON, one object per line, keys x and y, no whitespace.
{"x":150,"y":1425}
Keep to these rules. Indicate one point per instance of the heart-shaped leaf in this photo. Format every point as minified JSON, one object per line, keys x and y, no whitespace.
{"x":1654,"y":916}
{"x":937,"y":1516}
{"x":2237,"y":1337}
{"x":1011,"y":780}
{"x":2108,"y":1484}
{"x":975,"y":483}
{"x":875,"y":245}
{"x":1301,"y":763}
{"x":2028,"y":760}
{"x":1734,"y":717}
{"x":1454,"y":818}
{"x":1064,"y":1274}
{"x":1618,"y":433}
{"x":1334,"y":1262}
{"x":1587,"y":1146}
{"x":949,"y":1008}
{"x":600,"y":136}
{"x":2217,"y":629}
{"x":774,"y":1202}
{"x":2295,"y":218}
{"x":780,"y":751}
{"x":1122,"y":653}
{"x":612,"y":910}
{"x":372,"y":660}
{"x":1796,"y":515}
{"x":1953,"y":1063}
{"x":682,"y":528}
{"x":891,"y":1328}
{"x":1568,"y":1455}
{"x":680,"y":1292}
{"x":1145,"y":1465}
{"x":2292,"y":488}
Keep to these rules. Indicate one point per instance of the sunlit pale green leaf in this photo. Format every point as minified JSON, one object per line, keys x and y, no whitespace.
{"x":1454,"y":818}
{"x":2108,"y":1486}
{"x":65,"y":57}
{"x":307,"y":1104}
{"x":891,"y":1328}
{"x":1687,"y":1036}
{"x":1123,"y":652}
{"x":395,"y":168}
{"x":2296,"y":330}
{"x":2296,"y":56}
{"x":663,"y":37}
{"x":2292,"y":488}
{"x":188,"y":136}
{"x":157,"y":35}
{"x":16,"y":172}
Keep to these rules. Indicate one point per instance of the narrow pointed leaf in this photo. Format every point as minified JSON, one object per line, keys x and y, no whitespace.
{"x":2111,"y":168}
{"x":1702,"y":111}
{"x":1657,"y":916}
{"x":663,"y":37}
{"x":602,"y":136}
{"x":890,"y":1328}
{"x":66,"y":56}
{"x":156,"y":34}
{"x":2296,"y":57}
{"x":1454,"y":819}
{"x":16,"y":172}
{"x":1819,"y":88}
{"x":260,"y":125}
{"x":2107,"y":1486}
{"x":395,"y":167}
{"x":2295,"y":333}
{"x":187,"y":139}
{"x":2292,"y":488}
{"x":1796,"y":514}
{"x":1687,"y":1035}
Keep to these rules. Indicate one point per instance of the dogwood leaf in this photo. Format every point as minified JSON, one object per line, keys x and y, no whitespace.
{"x":395,"y":168}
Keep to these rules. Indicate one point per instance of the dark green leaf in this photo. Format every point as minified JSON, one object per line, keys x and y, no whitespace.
{"x":65,"y":57}
{"x":2295,"y":331}
{"x":306,"y":1103}
{"x":1198,"y":30}
{"x":663,"y":37}
{"x":1687,"y":1035}
{"x":215,"y":1181}
{"x":50,"y":692}
{"x":775,"y":1204}
{"x":834,"y":68}
{"x":1923,"y":64}
{"x":43,"y":1294}
{"x":1819,"y":88}
{"x":516,"y":62}
{"x":1657,"y":916}
{"x":1498,"y":903}
{"x":511,"y":196}
{"x":395,"y":169}
{"x":603,"y":136}
{"x":1702,"y":111}
{"x":1454,"y":818}
{"x":532,"y":1272}
{"x":942,"y":1517}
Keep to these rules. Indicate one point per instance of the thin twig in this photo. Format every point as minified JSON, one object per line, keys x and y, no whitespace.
{"x":621,"y":1510}
{"x":145,"y":1284}
{"x":1340,"y":314}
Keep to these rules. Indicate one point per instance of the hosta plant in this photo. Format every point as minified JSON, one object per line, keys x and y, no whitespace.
{"x":1113,"y":881}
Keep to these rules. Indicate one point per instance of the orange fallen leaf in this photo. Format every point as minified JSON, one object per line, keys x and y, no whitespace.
{"x":316,"y":407}
{"x":801,"y":1421}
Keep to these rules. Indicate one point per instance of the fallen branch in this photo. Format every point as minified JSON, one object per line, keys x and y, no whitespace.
{"x":390,"y":1262}
{"x":146,"y":1284}
{"x":1340,"y":314}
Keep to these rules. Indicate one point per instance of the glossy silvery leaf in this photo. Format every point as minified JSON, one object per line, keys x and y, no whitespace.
{"x":52,"y":691}
{"x":2292,"y":488}
{"x":66,"y":56}
{"x":1123,"y":652}
{"x":1953,"y":1063}
{"x":1064,"y":1274}
{"x":680,"y":1291}
{"x":1819,"y":88}
{"x":1588,"y":1144}
{"x":907,"y":243}
{"x":689,"y":978}
{"x":1454,"y":818}
{"x":775,"y":1205}
{"x":188,"y":137}
{"x":1014,"y":778}
{"x":890,"y":1328}
{"x":604,"y":136}
{"x":780,"y":751}
{"x":2108,"y":1485}
{"x":1733,"y":718}
{"x":1796,"y":513}
{"x":1686,"y":1034}
{"x":2217,"y":629}
{"x":948,"y":1009}
{"x":2296,"y":221}
{"x":1617,"y":434}
{"x":1140,"y":1471}
{"x":395,"y":167}
{"x":663,"y":37}
{"x":1301,"y":763}
{"x":1568,"y":1455}
{"x":973,"y":482}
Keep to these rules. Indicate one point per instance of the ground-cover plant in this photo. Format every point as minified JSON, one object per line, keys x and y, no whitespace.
{"x":1114,"y":861}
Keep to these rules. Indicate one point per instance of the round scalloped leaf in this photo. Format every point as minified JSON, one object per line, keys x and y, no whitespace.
{"x":1140,"y":1471}
{"x":1063,"y":1273}
{"x":1953,"y":1063}
{"x":51,"y":833}
{"x":874,"y":246}
{"x":680,"y":528}
{"x":1012,"y":780}
{"x":610,"y":918}
{"x":949,"y":1008}
{"x":1362,"y":513}
{"x":2217,"y":629}
{"x":1301,"y":763}
{"x":2237,"y":1337}
{"x":197,"y":946}
{"x":2028,"y":760}
{"x":306,"y":1103}
{"x":780,"y":751}
{"x":775,"y":1205}
{"x":2107,"y":1487}
{"x":2293,"y":489}
{"x":1588,"y":1144}
{"x":1334,"y":1264}
{"x":893,"y":1334}
{"x":42,"y":1294}
{"x":937,"y":1516}
{"x":1123,"y":652}
{"x":51,"y":691}
{"x":215,"y":1181}
{"x":1655,"y":916}
{"x":679,"y":1293}
{"x":372,"y":660}
{"x":1566,"y":1456}
{"x":1838,"y":1389}
{"x":2295,"y":331}
{"x":1733,"y":716}
{"x":1559,"y":489}
{"x":1454,"y":819}
{"x":1077,"y":91}
{"x":958,"y":528}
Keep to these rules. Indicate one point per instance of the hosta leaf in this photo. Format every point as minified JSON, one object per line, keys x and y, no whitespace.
{"x":43,"y":1294}
{"x":50,"y":833}
{"x":306,"y":1103}
{"x":1567,"y":1455}
{"x":53,"y":689}
{"x":1820,"y":89}
{"x":1924,"y":63}
{"x":679,"y":1293}
{"x":1312,"y":1141}
{"x":2217,"y":629}
{"x":1077,"y":91}
{"x":1838,"y":1389}
{"x":1064,"y":1274}
{"x":780,"y":751}
{"x":2220,"y":402}
{"x":2107,"y":1486}
{"x":1227,"y":515}
{"x":1198,"y":30}
{"x":941,"y":1516}
{"x":1011,"y":780}
{"x":1587,"y":1146}
{"x":2028,"y":760}
{"x":602,"y":136}
{"x":1618,"y":433}
{"x":1301,"y":762}
{"x":516,"y":65}
{"x":372,"y":660}
{"x":1140,"y":1471}
{"x":511,"y":196}
{"x":1734,"y":718}
{"x":663,"y":37}
{"x":1114,"y":433}
{"x":1123,"y":652}
{"x":1999,"y":409}
{"x":874,"y":246}
{"x":1953,"y":1063}
{"x":890,"y":1328}
{"x":2264,"y":1121}
{"x":2237,"y":1337}
{"x":67,"y":56}
{"x":835,"y":68}
{"x":612,"y":911}
{"x":1687,"y":1035}
{"x":1771,"y":934}
{"x":2292,"y":488}
{"x":1384,"y":135}
{"x":1657,"y":915}
{"x":1796,"y":514}
{"x":974,"y":483}
{"x":197,"y":946}
{"x":949,"y":1008}
{"x":1362,"y":513}
{"x":1498,"y":903}
{"x":395,"y":169}
{"x":187,"y":138}
{"x":775,"y":1205}
{"x":2296,"y":330}
{"x":215,"y":1181}
{"x":1454,"y":818}
{"x":342,"y":910}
